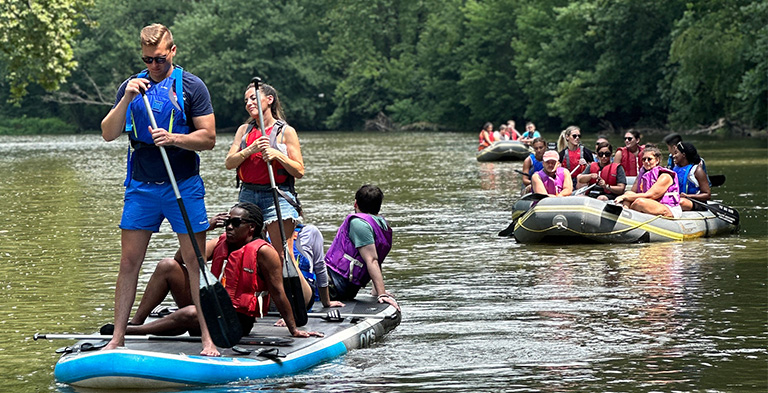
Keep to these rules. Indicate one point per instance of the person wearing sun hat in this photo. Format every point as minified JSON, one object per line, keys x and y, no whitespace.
{"x":554,"y":179}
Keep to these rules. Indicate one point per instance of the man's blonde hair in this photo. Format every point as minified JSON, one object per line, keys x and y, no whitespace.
{"x":155,"y":34}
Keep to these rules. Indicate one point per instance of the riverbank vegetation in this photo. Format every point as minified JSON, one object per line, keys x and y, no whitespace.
{"x":396,"y":64}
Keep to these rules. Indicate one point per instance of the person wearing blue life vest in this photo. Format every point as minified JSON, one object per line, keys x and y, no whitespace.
{"x":182,"y":108}
{"x":308,"y":250}
{"x":359,"y":248}
{"x":534,"y":162}
{"x":691,"y":176}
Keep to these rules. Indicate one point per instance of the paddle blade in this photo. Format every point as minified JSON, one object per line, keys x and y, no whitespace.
{"x":292,"y":287}
{"x":717,"y":180}
{"x":220,"y":315}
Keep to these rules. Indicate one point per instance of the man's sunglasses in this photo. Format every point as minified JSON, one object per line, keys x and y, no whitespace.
{"x":604,"y":154}
{"x":235,"y":221}
{"x":156,"y":59}
{"x":628,"y":138}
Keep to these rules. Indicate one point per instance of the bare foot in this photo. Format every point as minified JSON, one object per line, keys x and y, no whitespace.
{"x":113,"y":345}
{"x":280,"y":323}
{"x":210,"y":351}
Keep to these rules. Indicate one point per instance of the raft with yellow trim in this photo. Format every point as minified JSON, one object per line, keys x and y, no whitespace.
{"x":580,"y":219}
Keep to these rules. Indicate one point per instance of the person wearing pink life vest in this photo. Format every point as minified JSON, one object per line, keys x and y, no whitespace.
{"x":359,"y":248}
{"x":609,"y":176}
{"x":249,"y":269}
{"x":656,"y":190}
{"x":553,"y":180}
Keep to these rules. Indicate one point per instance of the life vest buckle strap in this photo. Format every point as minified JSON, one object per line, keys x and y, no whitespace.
{"x":352,"y":263}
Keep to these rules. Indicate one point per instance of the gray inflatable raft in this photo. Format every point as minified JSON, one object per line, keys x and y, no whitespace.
{"x":580,"y":219}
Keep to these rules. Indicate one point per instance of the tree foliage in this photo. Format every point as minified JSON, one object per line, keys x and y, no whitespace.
{"x":450,"y":63}
{"x":36,"y":38}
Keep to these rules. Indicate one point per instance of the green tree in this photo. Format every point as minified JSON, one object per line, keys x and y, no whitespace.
{"x":36,"y":42}
{"x":718,"y":64}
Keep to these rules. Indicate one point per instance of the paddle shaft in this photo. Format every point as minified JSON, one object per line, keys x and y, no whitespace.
{"x":223,"y":325}
{"x":294,"y":292}
{"x":194,"y":339}
{"x":323,"y":315}
{"x":176,"y":192}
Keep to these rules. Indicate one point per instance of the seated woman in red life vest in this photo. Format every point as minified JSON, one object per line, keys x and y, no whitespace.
{"x":534,"y":162}
{"x":656,"y":189}
{"x":575,"y":157}
{"x":486,"y":136}
{"x":609,"y":176}
{"x":691,"y":176}
{"x":553,"y":180}
{"x":359,"y":248}
{"x":241,"y":243}
{"x":630,"y":155}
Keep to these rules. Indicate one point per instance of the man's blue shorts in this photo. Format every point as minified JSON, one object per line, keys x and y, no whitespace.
{"x":147,"y":204}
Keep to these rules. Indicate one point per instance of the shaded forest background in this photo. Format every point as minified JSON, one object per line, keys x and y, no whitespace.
{"x":403,"y":64}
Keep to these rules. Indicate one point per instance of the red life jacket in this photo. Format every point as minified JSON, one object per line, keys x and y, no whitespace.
{"x":630,"y":162}
{"x":241,"y":279}
{"x":254,"y":169}
{"x":574,"y":166}
{"x":608,"y":173}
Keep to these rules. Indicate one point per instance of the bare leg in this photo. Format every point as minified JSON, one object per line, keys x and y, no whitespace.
{"x":190,"y":259}
{"x":651,"y":206}
{"x":686,"y":204}
{"x":169,"y":276}
{"x":174,"y":324}
{"x":133,"y":248}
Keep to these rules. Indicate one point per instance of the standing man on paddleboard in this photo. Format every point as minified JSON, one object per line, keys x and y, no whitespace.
{"x":181,"y":104}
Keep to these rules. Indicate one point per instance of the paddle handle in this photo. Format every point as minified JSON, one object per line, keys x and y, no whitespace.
{"x":176,"y":192}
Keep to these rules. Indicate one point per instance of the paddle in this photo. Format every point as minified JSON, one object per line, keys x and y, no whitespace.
{"x":717,"y":180}
{"x":583,"y":190}
{"x":725,"y":213}
{"x":522,"y":173}
{"x":613,"y":208}
{"x":246,"y":340}
{"x":336,"y":315}
{"x":510,"y":229}
{"x":220,"y":316}
{"x":291,"y":280}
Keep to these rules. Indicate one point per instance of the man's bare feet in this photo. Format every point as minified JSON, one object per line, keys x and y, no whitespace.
{"x":210,"y":350}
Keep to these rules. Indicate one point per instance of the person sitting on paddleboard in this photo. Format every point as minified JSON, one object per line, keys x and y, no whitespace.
{"x":534,"y":162}
{"x":486,"y":136}
{"x":240,"y":248}
{"x":609,"y":176}
{"x":575,"y":157}
{"x":553,"y":180}
{"x":656,"y":190}
{"x":359,"y":248}
{"x":691,"y":176}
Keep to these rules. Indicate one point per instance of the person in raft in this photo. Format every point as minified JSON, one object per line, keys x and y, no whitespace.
{"x":248,"y":267}
{"x":631,"y":154}
{"x":553,"y":180}
{"x":534,"y":162}
{"x":575,"y":157}
{"x":529,"y":134}
{"x":249,"y":153}
{"x":656,"y":190}
{"x":609,"y":176}
{"x":486,"y":136}
{"x":184,"y":114}
{"x":359,"y":248}
{"x":691,"y":177}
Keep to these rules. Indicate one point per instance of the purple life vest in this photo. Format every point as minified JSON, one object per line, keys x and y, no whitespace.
{"x":343,"y":258}
{"x":553,"y":186}
{"x":649,"y":178}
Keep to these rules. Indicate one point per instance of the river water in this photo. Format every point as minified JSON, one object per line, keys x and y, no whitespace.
{"x":481,"y":313}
